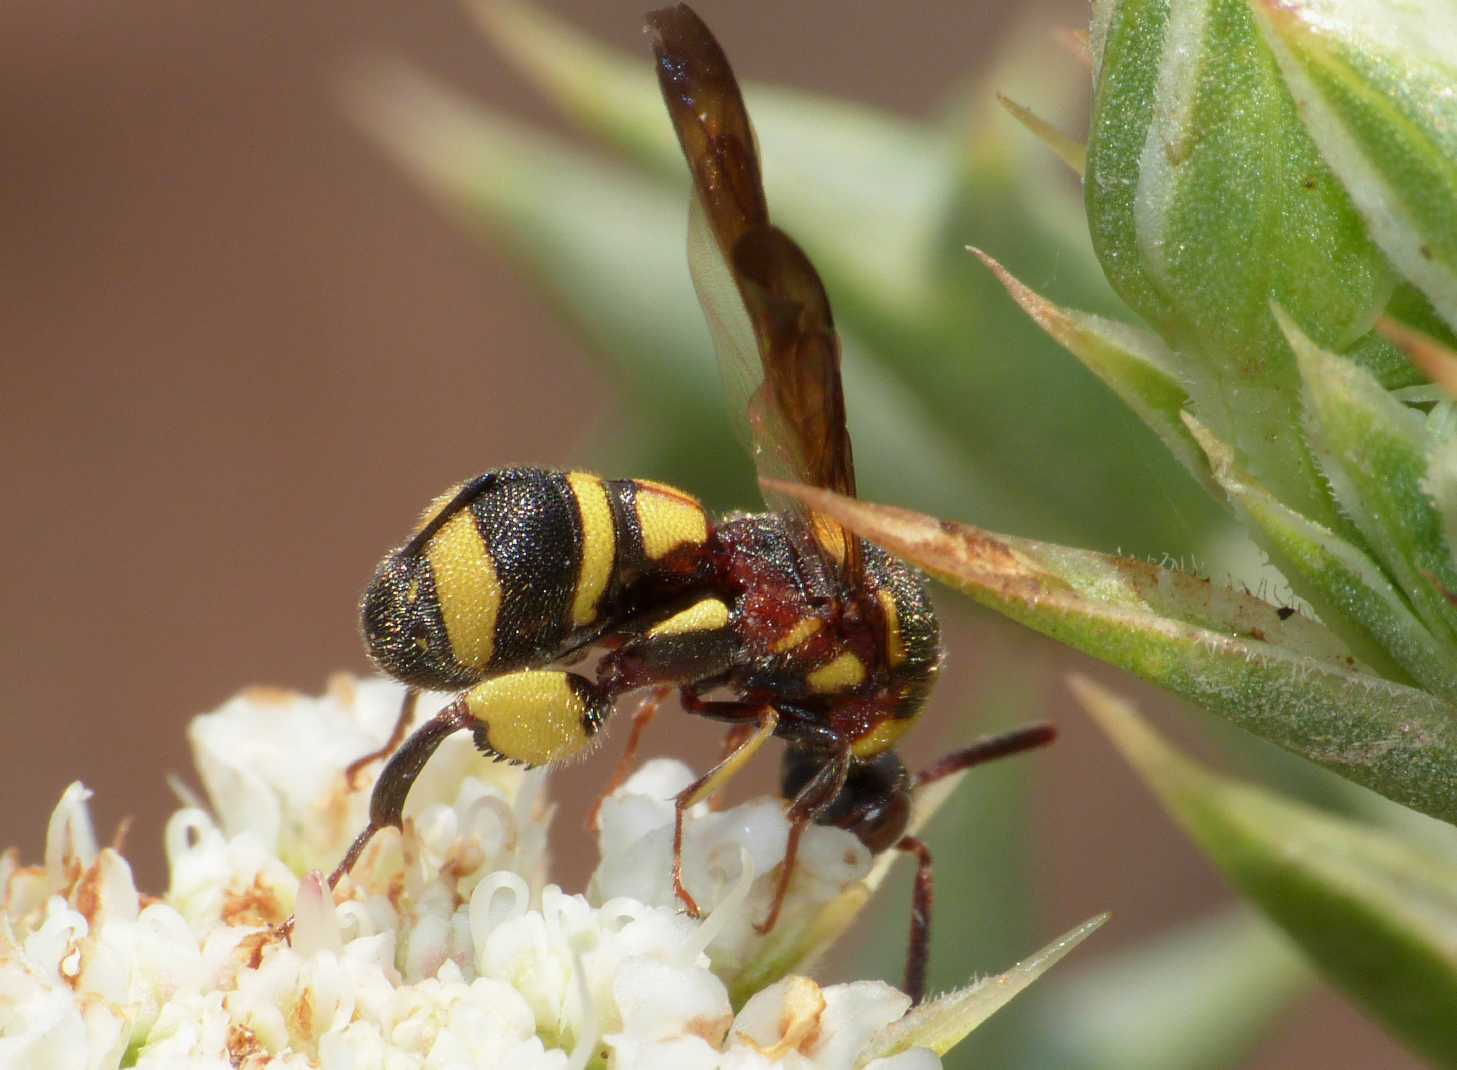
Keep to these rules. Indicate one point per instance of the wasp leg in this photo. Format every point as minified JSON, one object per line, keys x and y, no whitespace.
{"x":767,"y":718}
{"x":641,"y":718}
{"x":918,"y":949}
{"x":821,"y":790}
{"x":397,"y":736}
{"x":387,"y":801}
{"x":986,"y":750}
{"x":732,"y":740}
{"x":530,"y":717}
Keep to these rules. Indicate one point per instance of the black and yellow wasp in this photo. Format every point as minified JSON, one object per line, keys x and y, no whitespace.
{"x":776,"y":624}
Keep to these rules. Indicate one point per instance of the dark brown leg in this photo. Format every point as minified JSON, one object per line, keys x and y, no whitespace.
{"x":397,"y":736}
{"x":641,"y":718}
{"x":822,"y":789}
{"x":767,"y":720}
{"x":983,"y":750}
{"x":918,"y":951}
{"x":394,"y":783}
{"x":986,"y":750}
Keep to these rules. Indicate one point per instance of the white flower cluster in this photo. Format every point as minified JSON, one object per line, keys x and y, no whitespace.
{"x":444,"y":947}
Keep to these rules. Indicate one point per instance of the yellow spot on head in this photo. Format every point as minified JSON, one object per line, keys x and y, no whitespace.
{"x":895,"y":647}
{"x":467,"y":589}
{"x":599,"y":545}
{"x":412,"y":591}
{"x":668,"y":519}
{"x":806,"y":627}
{"x":839,"y":674}
{"x":705,"y":616}
{"x":536,"y":717}
{"x":882,"y":737}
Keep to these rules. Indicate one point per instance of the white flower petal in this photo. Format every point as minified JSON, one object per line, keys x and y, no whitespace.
{"x":444,"y":946}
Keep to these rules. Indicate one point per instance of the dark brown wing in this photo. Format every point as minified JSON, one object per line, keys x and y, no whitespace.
{"x":763,"y":299}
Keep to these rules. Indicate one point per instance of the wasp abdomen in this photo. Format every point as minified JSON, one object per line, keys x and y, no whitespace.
{"x":516,"y":567}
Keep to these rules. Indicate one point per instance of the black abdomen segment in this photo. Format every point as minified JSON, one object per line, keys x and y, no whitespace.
{"x":526,"y":569}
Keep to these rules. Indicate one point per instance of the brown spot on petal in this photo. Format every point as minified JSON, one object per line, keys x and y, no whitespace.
{"x":242,"y":1044}
{"x":87,"y":899}
{"x":799,"y":1022}
{"x":250,"y":949}
{"x":711,"y":1030}
{"x":464,"y":858}
{"x":303,"y":1015}
{"x":256,"y":904}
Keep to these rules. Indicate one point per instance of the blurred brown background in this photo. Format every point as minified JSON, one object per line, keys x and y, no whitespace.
{"x":238,"y":351}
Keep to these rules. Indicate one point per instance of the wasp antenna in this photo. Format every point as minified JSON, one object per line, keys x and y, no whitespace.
{"x":988,"y":749}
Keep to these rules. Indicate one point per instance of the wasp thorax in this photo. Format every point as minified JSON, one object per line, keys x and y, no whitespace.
{"x":403,"y":629}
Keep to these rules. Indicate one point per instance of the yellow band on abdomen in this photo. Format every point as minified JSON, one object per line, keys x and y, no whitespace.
{"x":668,"y":519}
{"x":599,"y":546}
{"x":467,"y":588}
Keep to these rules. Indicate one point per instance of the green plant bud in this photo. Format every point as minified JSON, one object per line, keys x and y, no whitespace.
{"x":1373,"y":81}
{"x":1373,"y":449}
{"x":1206,"y":199}
{"x":1339,"y":579}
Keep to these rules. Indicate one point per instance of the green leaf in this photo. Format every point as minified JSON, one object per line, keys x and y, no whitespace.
{"x":1377,"y":915}
{"x":1206,"y":198}
{"x":1373,"y":449}
{"x":1200,"y":997}
{"x":1066,"y":148}
{"x":1373,"y":81}
{"x":941,"y":1024}
{"x":1353,"y":596}
{"x":1289,"y":681}
{"x":1133,"y":362}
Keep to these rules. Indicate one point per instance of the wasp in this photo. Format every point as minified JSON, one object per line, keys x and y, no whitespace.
{"x":777,"y":624}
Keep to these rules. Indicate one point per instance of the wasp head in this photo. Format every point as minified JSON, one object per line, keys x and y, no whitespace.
{"x":874,"y":804}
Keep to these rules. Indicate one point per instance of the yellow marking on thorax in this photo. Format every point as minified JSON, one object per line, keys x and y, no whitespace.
{"x":599,"y":545}
{"x":840,"y":674}
{"x":668,"y":519}
{"x":806,"y":627}
{"x":705,"y":616}
{"x":467,"y":589}
{"x":895,"y":646}
{"x":882,"y":737}
{"x":532,"y":716}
